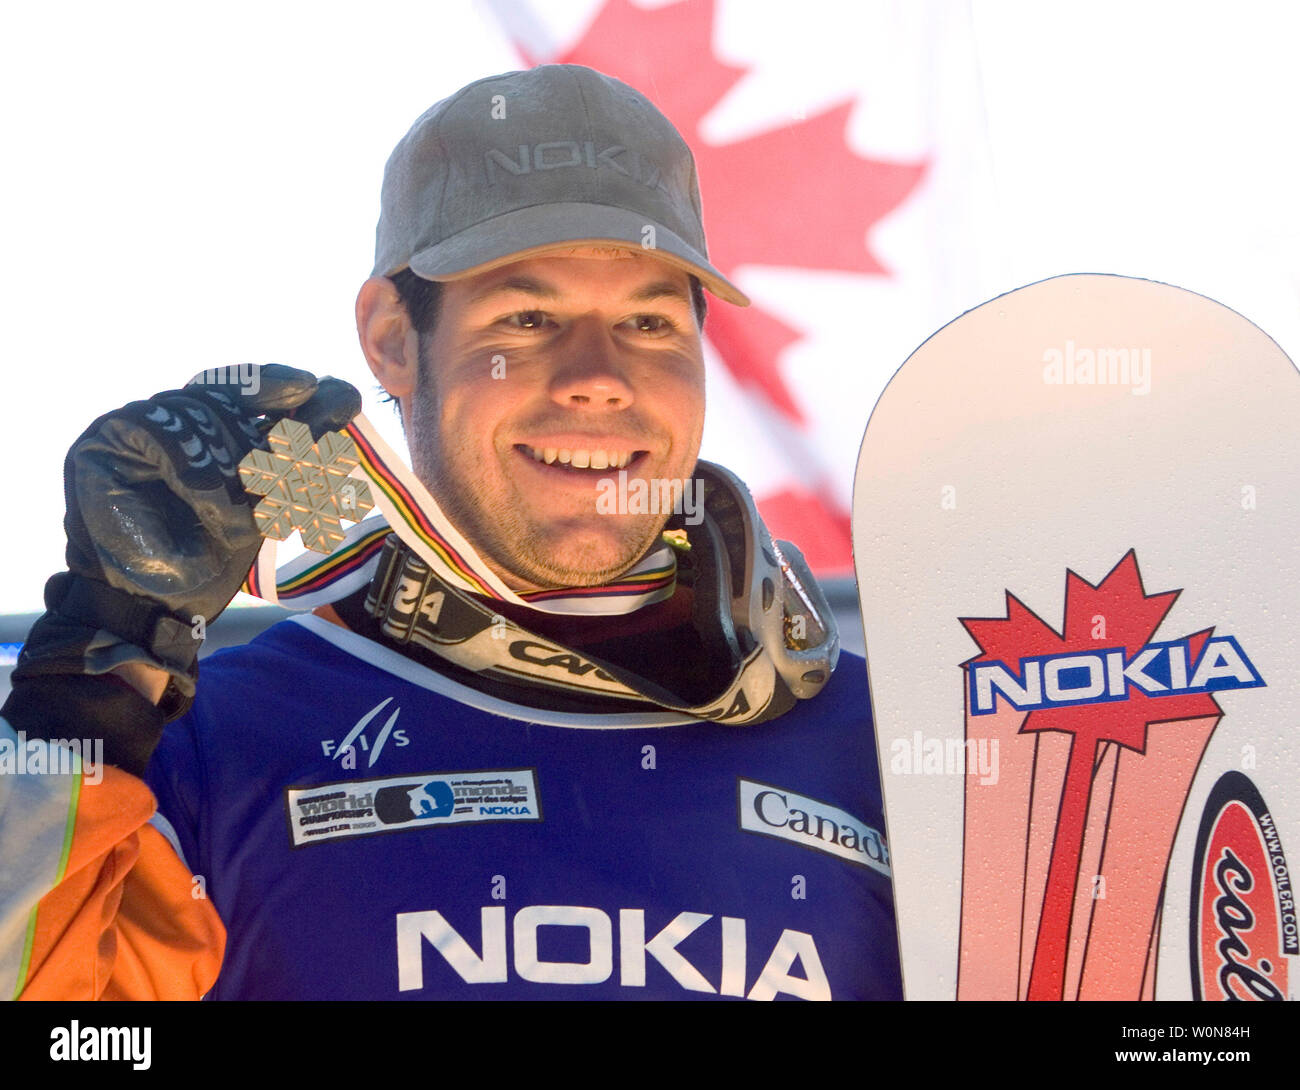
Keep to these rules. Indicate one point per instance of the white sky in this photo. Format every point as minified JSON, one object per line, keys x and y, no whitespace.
{"x":187,"y":187}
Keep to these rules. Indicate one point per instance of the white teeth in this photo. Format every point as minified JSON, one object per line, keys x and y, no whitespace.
{"x":580,"y":459}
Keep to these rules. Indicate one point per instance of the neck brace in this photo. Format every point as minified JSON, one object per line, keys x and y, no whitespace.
{"x":755,"y":602}
{"x":757,"y":606}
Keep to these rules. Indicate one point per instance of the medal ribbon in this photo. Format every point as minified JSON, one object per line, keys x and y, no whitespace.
{"x":408,"y":510}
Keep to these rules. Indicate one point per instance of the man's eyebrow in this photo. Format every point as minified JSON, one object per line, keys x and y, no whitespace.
{"x":514,"y":285}
{"x":661,"y":289}
{"x":528,"y":285}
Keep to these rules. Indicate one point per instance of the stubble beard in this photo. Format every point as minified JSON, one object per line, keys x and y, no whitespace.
{"x":500,"y":531}
{"x":543,"y":555}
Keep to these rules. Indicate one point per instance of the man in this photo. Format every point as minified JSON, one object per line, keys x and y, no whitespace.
{"x":529,"y":746}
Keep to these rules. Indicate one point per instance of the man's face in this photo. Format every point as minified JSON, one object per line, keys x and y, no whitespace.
{"x":542,"y":378}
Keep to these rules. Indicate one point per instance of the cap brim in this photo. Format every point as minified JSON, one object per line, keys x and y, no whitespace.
{"x":542,"y":229}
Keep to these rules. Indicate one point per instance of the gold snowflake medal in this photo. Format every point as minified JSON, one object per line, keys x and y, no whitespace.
{"x":305,"y":485}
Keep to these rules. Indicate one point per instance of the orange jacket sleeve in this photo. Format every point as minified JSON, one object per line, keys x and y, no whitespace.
{"x":96,"y":904}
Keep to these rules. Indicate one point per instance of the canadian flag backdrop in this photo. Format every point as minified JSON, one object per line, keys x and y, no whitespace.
{"x":190,"y":189}
{"x":838,"y":155}
{"x":219,"y":190}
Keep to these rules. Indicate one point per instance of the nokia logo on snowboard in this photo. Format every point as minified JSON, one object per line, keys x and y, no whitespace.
{"x":1243,"y":904}
{"x":365,"y":807}
{"x":1129,"y":705}
{"x":1111,"y":674}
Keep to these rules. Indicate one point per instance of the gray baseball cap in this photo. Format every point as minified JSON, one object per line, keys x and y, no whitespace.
{"x":526,"y":163}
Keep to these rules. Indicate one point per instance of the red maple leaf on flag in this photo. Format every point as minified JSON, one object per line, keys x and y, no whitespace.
{"x":794,"y":196}
{"x":1121,"y":614}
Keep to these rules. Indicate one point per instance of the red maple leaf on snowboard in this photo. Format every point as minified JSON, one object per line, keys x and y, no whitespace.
{"x":1129,"y":618}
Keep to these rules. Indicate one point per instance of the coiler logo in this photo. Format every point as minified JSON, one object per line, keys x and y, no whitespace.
{"x":1243,"y":904}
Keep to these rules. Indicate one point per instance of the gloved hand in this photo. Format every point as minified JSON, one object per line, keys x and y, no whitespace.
{"x":160,"y":530}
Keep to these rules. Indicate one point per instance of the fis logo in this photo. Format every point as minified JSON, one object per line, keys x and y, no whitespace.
{"x":345,"y":752}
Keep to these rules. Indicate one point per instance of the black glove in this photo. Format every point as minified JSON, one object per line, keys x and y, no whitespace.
{"x":160,"y":530}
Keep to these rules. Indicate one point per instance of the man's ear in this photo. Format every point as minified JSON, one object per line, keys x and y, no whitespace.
{"x":389,"y":341}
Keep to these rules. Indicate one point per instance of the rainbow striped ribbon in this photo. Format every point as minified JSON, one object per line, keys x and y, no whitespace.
{"x":408,"y":510}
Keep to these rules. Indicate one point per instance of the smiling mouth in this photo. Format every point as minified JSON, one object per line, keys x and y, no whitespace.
{"x":581,"y":459}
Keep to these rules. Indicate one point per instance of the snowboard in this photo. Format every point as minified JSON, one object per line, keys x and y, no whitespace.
{"x":1076,"y":526}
